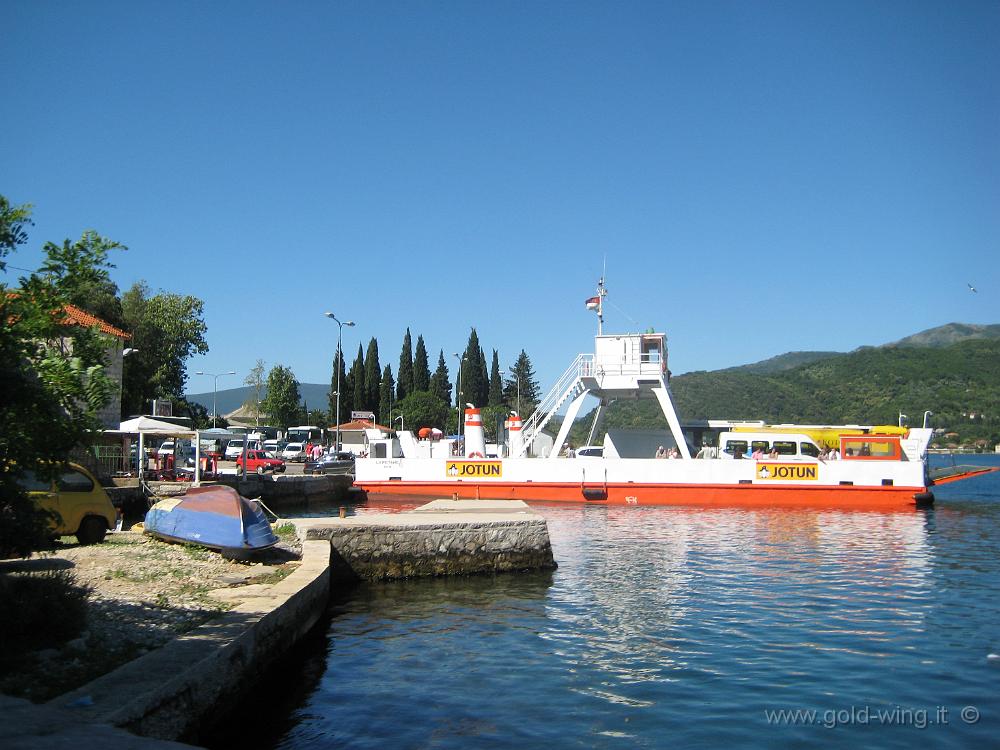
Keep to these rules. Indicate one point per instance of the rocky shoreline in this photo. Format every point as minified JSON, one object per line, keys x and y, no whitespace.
{"x":143,"y":592}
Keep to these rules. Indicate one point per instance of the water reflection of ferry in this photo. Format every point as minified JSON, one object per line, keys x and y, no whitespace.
{"x":788,"y":468}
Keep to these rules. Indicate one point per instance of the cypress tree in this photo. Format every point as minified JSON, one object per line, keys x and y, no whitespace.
{"x":404,"y":377}
{"x":475,"y":377}
{"x":483,"y":396}
{"x":440,"y":380}
{"x":385,"y":389}
{"x":496,"y":384}
{"x":373,"y":376}
{"x":357,"y":382}
{"x":472,"y":373}
{"x":522,"y":373}
{"x":421,"y":370}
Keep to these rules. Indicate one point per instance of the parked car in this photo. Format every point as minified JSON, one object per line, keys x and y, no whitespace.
{"x":235,"y":447}
{"x":271,"y":447}
{"x":83,"y":507}
{"x":260,"y":462}
{"x":341,"y":462}
{"x":166,"y":448}
{"x":294,"y":452}
{"x":590,"y":451}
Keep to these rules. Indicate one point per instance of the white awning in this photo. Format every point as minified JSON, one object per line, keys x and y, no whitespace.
{"x":149,"y":425}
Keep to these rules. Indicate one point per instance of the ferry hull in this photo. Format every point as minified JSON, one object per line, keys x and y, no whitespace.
{"x":745,"y":495}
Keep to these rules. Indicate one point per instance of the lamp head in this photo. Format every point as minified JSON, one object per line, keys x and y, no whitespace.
{"x":199,"y":373}
{"x":128,"y":351}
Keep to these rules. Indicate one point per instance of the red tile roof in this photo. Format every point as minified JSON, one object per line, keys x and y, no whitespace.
{"x":359,"y":424}
{"x":76,"y":316}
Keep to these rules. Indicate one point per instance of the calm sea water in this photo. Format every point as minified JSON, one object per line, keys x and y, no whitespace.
{"x":675,"y":627}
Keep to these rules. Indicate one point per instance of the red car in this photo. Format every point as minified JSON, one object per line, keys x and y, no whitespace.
{"x":260,"y":462}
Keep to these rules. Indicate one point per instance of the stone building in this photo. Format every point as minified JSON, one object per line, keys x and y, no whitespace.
{"x":116,"y":339}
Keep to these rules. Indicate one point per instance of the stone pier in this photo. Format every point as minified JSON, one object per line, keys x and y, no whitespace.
{"x":445,"y":537}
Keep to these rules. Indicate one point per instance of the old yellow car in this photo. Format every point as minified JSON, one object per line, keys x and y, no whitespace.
{"x":82,"y":507}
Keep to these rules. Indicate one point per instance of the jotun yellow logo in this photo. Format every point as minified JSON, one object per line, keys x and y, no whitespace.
{"x":473,"y":469}
{"x":788,"y":472}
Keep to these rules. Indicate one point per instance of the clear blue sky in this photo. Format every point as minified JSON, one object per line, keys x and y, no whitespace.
{"x":761,"y":177}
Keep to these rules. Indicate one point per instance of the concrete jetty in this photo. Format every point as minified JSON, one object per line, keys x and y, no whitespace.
{"x":443,"y":537}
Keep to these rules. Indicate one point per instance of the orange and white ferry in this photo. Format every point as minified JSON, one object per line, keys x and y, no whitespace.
{"x":753,"y":465}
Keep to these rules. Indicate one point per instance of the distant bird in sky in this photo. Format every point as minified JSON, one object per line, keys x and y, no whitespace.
{"x":972,"y":288}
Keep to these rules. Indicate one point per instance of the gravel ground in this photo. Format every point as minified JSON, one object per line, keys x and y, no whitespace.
{"x":143,"y":592}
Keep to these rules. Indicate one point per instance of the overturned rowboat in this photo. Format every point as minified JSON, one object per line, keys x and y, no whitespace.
{"x":217,"y":517}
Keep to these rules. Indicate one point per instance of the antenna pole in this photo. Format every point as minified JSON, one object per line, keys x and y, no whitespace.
{"x":601,"y":294}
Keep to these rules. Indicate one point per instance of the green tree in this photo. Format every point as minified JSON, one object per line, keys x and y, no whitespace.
{"x":344,"y":383}
{"x":167,"y":329}
{"x":357,"y":378}
{"x":423,"y":409}
{"x":440,"y":384}
{"x":496,"y":382}
{"x":421,"y":370}
{"x":315,"y":416}
{"x":282,"y":400}
{"x":521,"y":391}
{"x":52,"y":380}
{"x":386,"y":388}
{"x":373,"y":378}
{"x":475,"y":379}
{"x":14,"y":221}
{"x":404,"y":375}
{"x":493,"y":419}
{"x":255,"y":381}
{"x":79,"y":271}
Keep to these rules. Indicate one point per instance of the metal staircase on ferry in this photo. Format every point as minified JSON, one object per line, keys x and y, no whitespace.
{"x":569,"y":387}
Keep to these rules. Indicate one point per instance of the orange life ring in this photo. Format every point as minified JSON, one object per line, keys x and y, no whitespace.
{"x":475,"y":454}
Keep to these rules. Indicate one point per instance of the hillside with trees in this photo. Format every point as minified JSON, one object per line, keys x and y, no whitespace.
{"x":959,"y":383}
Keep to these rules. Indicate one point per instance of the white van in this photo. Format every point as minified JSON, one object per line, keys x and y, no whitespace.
{"x":791,"y":445}
{"x":294,"y":452}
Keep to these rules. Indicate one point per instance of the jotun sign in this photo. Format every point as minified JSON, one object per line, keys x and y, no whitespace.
{"x":788,"y":472}
{"x":473,"y":469}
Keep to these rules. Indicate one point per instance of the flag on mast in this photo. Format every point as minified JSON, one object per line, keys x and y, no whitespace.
{"x":593,"y":303}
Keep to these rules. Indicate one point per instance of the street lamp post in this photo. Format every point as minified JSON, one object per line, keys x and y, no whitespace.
{"x":402,"y":423}
{"x":215,"y":389}
{"x":340,"y":364}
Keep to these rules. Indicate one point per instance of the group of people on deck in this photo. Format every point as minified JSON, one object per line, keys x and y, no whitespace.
{"x":662,"y":452}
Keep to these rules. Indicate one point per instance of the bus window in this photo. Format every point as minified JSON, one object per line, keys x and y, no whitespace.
{"x":808,"y":449}
{"x":872,"y":448}
{"x":736,"y":446}
{"x":785,"y":448}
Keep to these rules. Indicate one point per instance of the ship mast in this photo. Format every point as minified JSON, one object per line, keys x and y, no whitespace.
{"x":602,"y":292}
